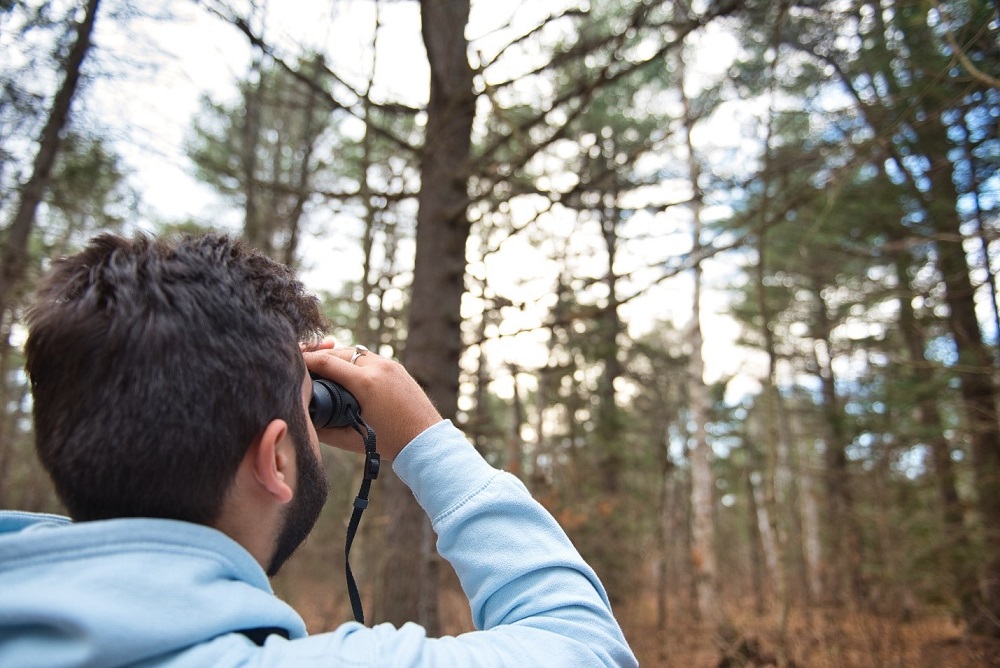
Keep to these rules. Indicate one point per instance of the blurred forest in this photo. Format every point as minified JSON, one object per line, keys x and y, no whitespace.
{"x":556,"y":235}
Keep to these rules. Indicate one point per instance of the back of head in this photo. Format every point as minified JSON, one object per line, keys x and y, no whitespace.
{"x":154,"y":364}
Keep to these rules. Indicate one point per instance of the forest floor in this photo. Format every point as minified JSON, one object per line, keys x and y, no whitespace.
{"x":815,"y":639}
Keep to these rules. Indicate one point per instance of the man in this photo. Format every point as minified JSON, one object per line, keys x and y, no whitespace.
{"x":170,"y":399}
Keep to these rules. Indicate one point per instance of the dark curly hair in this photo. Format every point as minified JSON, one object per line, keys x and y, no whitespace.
{"x":154,"y":364}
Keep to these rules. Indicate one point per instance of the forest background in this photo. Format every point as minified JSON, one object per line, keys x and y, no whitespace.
{"x":716,"y":279}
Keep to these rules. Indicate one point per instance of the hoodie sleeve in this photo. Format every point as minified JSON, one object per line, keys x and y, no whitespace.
{"x":534,"y":600}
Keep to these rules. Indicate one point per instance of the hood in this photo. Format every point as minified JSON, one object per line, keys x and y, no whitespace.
{"x":116,"y":592}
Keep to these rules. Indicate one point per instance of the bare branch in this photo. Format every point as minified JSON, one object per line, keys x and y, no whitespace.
{"x":959,"y":52}
{"x":552,"y":18}
{"x":586,"y":87}
{"x":241,"y":24}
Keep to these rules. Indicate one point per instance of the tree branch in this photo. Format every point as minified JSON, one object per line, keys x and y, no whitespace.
{"x":255,"y":39}
{"x":963,"y":58}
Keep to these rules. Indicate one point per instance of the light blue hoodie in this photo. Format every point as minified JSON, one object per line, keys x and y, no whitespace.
{"x":148,"y":592}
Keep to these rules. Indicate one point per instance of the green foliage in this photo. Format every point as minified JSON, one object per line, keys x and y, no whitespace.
{"x":261,"y":152}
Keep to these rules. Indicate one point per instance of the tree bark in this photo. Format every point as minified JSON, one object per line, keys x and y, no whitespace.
{"x":812,"y":544}
{"x":514,"y":456}
{"x":665,"y":528}
{"x":702,"y":480}
{"x":364,"y":329}
{"x":303,"y":177}
{"x":772,"y":529}
{"x":974,"y":186}
{"x":845,"y":552}
{"x":434,"y":343}
{"x":755,"y":524}
{"x":14,"y":253}
{"x":257,"y":234}
{"x":608,"y":552}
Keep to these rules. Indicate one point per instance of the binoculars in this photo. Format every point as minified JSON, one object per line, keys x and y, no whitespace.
{"x":331,"y":405}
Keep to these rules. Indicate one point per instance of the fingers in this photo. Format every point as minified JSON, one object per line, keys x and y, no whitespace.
{"x":391,"y":401}
{"x":325,"y":344}
{"x":334,"y":364}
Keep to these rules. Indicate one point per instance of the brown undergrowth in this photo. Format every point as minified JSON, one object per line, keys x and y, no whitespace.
{"x":816,"y":638}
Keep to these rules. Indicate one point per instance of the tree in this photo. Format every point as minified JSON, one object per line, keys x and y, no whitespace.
{"x":263,"y":152}
{"x":434,"y":342}
{"x":14,"y":249}
{"x":88,"y":192}
{"x":907,"y":89}
{"x":702,"y":480}
{"x":16,"y":253}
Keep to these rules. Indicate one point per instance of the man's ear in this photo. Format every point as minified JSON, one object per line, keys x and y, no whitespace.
{"x":273,"y":460}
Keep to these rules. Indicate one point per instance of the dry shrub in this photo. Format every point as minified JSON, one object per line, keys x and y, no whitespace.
{"x":816,"y":638}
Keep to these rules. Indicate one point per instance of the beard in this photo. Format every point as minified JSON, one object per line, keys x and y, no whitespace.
{"x":311,"y":489}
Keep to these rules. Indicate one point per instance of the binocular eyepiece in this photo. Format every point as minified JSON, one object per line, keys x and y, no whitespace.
{"x":331,"y":405}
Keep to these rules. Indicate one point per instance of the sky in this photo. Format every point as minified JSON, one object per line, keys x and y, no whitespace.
{"x":197,"y":54}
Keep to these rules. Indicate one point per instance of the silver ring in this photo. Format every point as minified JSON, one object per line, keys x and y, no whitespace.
{"x":359,"y":351}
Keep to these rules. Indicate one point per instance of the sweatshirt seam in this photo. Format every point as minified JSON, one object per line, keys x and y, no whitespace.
{"x":131,"y":546}
{"x":444,"y":515}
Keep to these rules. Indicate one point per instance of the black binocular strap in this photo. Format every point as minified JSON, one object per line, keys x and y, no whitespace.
{"x":372,"y":462}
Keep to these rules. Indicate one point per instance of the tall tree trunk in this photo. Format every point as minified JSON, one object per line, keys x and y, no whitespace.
{"x":754,"y":526}
{"x":537,"y":477}
{"x":434,"y":343}
{"x":609,"y":327}
{"x":975,"y":184}
{"x":774,"y":490}
{"x":975,"y":374}
{"x":612,"y":544}
{"x":956,"y":539}
{"x":845,"y":552}
{"x":702,"y":480}
{"x":812,"y":543}
{"x":303,"y":178}
{"x":14,"y":254}
{"x":256,"y":233}
{"x":364,"y":328}
{"x":665,"y":528}
{"x":481,"y":420}
{"x":514,"y":457}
